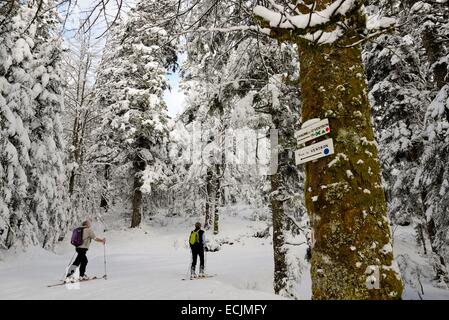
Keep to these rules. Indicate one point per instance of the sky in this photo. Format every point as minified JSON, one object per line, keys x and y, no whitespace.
{"x":174,"y":98}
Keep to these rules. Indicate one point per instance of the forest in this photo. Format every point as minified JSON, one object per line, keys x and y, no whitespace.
{"x":87,"y":132}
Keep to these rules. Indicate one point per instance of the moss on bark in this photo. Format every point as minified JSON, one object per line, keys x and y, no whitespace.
{"x":349,"y":215}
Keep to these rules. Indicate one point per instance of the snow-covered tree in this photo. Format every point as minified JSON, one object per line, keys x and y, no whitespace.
{"x":404,"y":74}
{"x":432,"y":177}
{"x":265,"y":95}
{"x":244,"y":77}
{"x":207,"y":107}
{"x":132,"y":135}
{"x":47,"y":145}
{"x":398,"y":95}
{"x":32,"y":201}
{"x":79,"y":63}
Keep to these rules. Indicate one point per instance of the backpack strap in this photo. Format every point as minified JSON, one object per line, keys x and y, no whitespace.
{"x":200,"y":236}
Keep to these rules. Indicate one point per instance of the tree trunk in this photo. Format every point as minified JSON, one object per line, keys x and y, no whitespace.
{"x":277,"y":211}
{"x":420,"y":237}
{"x":72,"y":182}
{"x":439,"y":265}
{"x":343,"y":192}
{"x":137,"y":203}
{"x":139,"y":166}
{"x":104,"y":200}
{"x":217,"y":190}
{"x":209,"y":199}
{"x":73,"y":153}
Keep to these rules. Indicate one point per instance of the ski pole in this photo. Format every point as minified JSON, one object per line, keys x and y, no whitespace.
{"x":190,"y":265}
{"x":205,"y":260}
{"x":104,"y":258}
{"x":68,"y":266}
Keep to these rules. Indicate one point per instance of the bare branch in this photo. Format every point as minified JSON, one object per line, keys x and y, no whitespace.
{"x":8,"y":11}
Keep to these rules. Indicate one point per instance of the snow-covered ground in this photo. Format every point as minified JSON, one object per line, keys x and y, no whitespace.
{"x":150,"y":263}
{"x":417,"y":273}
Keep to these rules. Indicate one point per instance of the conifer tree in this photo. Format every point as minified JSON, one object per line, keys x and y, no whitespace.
{"x":133,"y":132}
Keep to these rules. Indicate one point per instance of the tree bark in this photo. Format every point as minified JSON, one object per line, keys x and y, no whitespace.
{"x":73,"y":153}
{"x":217,"y":188}
{"x":72,"y":182}
{"x":137,"y":204}
{"x":136,"y":218}
{"x":104,"y":200}
{"x":277,"y":212}
{"x":343,"y":192}
{"x":209,"y":199}
{"x":439,"y":265}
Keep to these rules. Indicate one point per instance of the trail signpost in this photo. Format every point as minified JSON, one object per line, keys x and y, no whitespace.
{"x":315,"y":130}
{"x":317,"y":150}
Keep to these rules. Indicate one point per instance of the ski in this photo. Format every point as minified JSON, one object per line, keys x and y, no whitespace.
{"x":199,"y":278}
{"x":63,"y":283}
{"x":57,"y":284}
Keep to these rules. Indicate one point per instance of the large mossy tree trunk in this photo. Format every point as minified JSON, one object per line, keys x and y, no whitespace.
{"x":343,"y":193}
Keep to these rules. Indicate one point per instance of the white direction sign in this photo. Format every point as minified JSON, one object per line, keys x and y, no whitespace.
{"x":315,"y":130}
{"x":315,"y":151}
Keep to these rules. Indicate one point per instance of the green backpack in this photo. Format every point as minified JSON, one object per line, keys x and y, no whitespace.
{"x":194,"y":237}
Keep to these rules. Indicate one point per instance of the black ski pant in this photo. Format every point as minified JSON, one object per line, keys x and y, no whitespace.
{"x":197,"y":251}
{"x":81,"y":260}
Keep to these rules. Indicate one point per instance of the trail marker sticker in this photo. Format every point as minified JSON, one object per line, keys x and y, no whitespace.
{"x":315,"y":151}
{"x":315,"y":130}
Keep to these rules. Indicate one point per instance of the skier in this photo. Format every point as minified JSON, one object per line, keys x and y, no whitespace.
{"x":197,"y":241}
{"x":81,"y":258}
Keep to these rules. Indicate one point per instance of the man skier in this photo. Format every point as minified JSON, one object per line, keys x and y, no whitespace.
{"x":197,"y":241}
{"x":81,"y":258}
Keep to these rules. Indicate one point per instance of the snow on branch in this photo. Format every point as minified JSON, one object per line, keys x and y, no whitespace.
{"x":377,"y":22}
{"x":375,"y":25}
{"x":231,"y":29}
{"x":311,"y":26}
{"x":279,"y":18}
{"x":322,"y":37}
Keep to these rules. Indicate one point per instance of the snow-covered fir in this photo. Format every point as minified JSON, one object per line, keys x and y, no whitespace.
{"x":33,"y":202}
